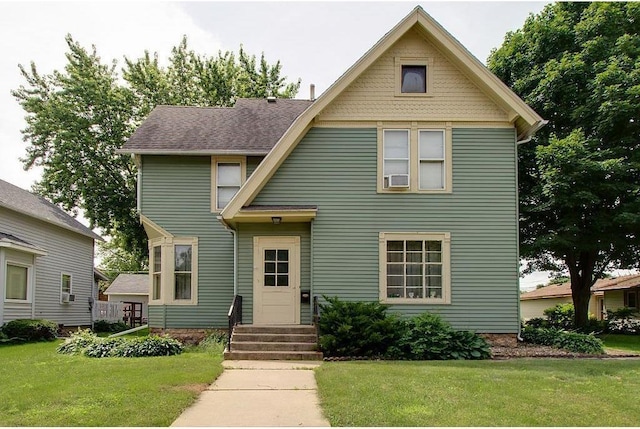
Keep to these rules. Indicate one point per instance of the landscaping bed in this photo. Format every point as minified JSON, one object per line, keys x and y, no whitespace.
{"x":524,"y":350}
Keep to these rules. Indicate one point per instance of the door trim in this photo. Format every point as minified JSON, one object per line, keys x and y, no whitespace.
{"x":259,"y":244}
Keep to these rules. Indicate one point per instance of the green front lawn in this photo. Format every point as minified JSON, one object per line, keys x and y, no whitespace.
{"x":39,"y":387}
{"x":522,"y":392}
{"x":629,"y":343}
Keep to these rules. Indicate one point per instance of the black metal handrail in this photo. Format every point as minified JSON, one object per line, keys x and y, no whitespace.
{"x":316,"y":316}
{"x":235,"y":317}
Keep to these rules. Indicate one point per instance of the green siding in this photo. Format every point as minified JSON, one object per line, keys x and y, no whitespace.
{"x":177,"y":196}
{"x":252,"y":164}
{"x":246,"y":232}
{"x":335,"y":169}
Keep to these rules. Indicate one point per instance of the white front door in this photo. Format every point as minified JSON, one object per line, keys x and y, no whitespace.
{"x":276,"y":280}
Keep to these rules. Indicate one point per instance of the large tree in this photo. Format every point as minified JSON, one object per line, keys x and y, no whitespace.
{"x":578,"y":65}
{"x":78,"y":117}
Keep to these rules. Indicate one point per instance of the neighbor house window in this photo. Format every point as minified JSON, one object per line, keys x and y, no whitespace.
{"x":157,"y":273}
{"x":17,"y":282}
{"x":414,"y":160}
{"x":415,"y":267}
{"x":432,"y":159}
{"x":228,"y":175}
{"x":182,"y":272}
{"x":396,"y":159}
{"x":631,"y":299}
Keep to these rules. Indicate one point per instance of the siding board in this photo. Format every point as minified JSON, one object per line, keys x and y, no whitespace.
{"x":335,"y":169}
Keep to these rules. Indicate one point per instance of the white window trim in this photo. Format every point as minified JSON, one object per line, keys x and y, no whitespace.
{"x":153,"y":272}
{"x":215,"y":160}
{"x":405,"y":61}
{"x":168,"y":270}
{"x":414,"y":129}
{"x":30,"y":274}
{"x":62,"y":274}
{"x":444,"y":237}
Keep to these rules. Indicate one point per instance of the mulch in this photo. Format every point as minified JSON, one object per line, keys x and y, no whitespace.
{"x":523,"y":350}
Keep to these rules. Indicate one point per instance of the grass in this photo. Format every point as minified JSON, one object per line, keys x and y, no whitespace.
{"x":43,"y":388}
{"x":622,"y":342}
{"x":523,"y":392}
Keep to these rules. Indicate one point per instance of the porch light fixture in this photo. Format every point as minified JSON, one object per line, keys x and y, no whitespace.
{"x":276,"y":220}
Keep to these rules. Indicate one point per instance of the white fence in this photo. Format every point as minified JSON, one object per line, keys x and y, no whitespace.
{"x":105,"y":310}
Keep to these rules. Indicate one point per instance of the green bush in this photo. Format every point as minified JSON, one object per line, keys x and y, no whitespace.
{"x":561,"y":316}
{"x":621,"y":313}
{"x":356,"y":328}
{"x":106,"y":326}
{"x":215,"y":342}
{"x":102,"y":347}
{"x":87,"y":343}
{"x":30,"y":330}
{"x":152,"y":345}
{"x":571,"y":341}
{"x":77,"y":342}
{"x":429,"y":337}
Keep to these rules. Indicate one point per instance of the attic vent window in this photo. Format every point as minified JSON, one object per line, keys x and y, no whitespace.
{"x":414,"y":79}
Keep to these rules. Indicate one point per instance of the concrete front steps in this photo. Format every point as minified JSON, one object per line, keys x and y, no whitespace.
{"x":278,"y":342}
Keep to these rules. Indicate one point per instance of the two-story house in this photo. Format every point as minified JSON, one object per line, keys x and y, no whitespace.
{"x":398,"y":185}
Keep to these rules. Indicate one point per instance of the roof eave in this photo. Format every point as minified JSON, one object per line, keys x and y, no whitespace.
{"x":135,"y":151}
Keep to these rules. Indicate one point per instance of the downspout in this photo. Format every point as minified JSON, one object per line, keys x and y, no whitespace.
{"x":235,"y":253}
{"x":519,"y":335}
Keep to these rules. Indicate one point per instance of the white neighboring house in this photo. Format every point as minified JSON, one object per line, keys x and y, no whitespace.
{"x":46,"y":261}
{"x":130,"y":288}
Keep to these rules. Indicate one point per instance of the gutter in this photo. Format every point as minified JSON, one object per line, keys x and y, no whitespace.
{"x":235,"y":252}
{"x":532,"y":131}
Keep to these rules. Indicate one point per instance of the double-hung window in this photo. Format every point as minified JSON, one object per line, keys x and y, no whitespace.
{"x":17,"y":282}
{"x":182,"y":272}
{"x":415,"y":160}
{"x":414,"y":267}
{"x":396,"y":159}
{"x":228,"y":174}
{"x":156,"y":292}
{"x":431,"y":159}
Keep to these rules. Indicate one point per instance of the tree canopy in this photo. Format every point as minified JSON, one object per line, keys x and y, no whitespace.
{"x":78,"y":117}
{"x":578,"y":65}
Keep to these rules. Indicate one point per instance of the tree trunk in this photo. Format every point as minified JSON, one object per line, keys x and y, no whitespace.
{"x":581,"y":272}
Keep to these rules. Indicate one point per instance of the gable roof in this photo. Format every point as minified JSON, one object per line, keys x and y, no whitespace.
{"x":525,"y":119}
{"x":129,"y":284}
{"x":251,"y":126}
{"x":564,"y":289}
{"x":19,"y":200}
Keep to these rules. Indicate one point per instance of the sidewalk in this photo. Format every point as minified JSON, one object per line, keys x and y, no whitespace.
{"x":258,"y":393}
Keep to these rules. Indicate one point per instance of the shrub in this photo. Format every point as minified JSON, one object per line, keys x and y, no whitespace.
{"x":77,"y":342}
{"x":429,"y":337}
{"x":152,"y":345}
{"x":621,"y":313}
{"x":31,"y":329}
{"x":215,"y":342}
{"x":356,"y":328}
{"x":624,"y":326}
{"x":87,"y":343}
{"x":571,"y":341}
{"x":537,"y":322}
{"x":561,"y":316}
{"x":106,"y":326}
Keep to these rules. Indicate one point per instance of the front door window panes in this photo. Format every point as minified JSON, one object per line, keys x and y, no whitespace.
{"x":276,"y":267}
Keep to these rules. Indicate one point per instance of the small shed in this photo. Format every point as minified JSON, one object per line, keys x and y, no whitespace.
{"x":133,"y":291}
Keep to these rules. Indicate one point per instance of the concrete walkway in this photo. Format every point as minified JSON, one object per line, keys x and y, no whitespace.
{"x":258,"y":393}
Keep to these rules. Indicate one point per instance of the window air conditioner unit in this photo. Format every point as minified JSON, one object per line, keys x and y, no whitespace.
{"x":66,"y":297}
{"x":72,"y":297}
{"x":398,"y":180}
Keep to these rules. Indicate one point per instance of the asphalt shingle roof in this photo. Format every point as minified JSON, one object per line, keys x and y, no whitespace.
{"x":564,"y":289}
{"x":25,"y":202}
{"x":129,"y":284}
{"x":252,"y":126}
